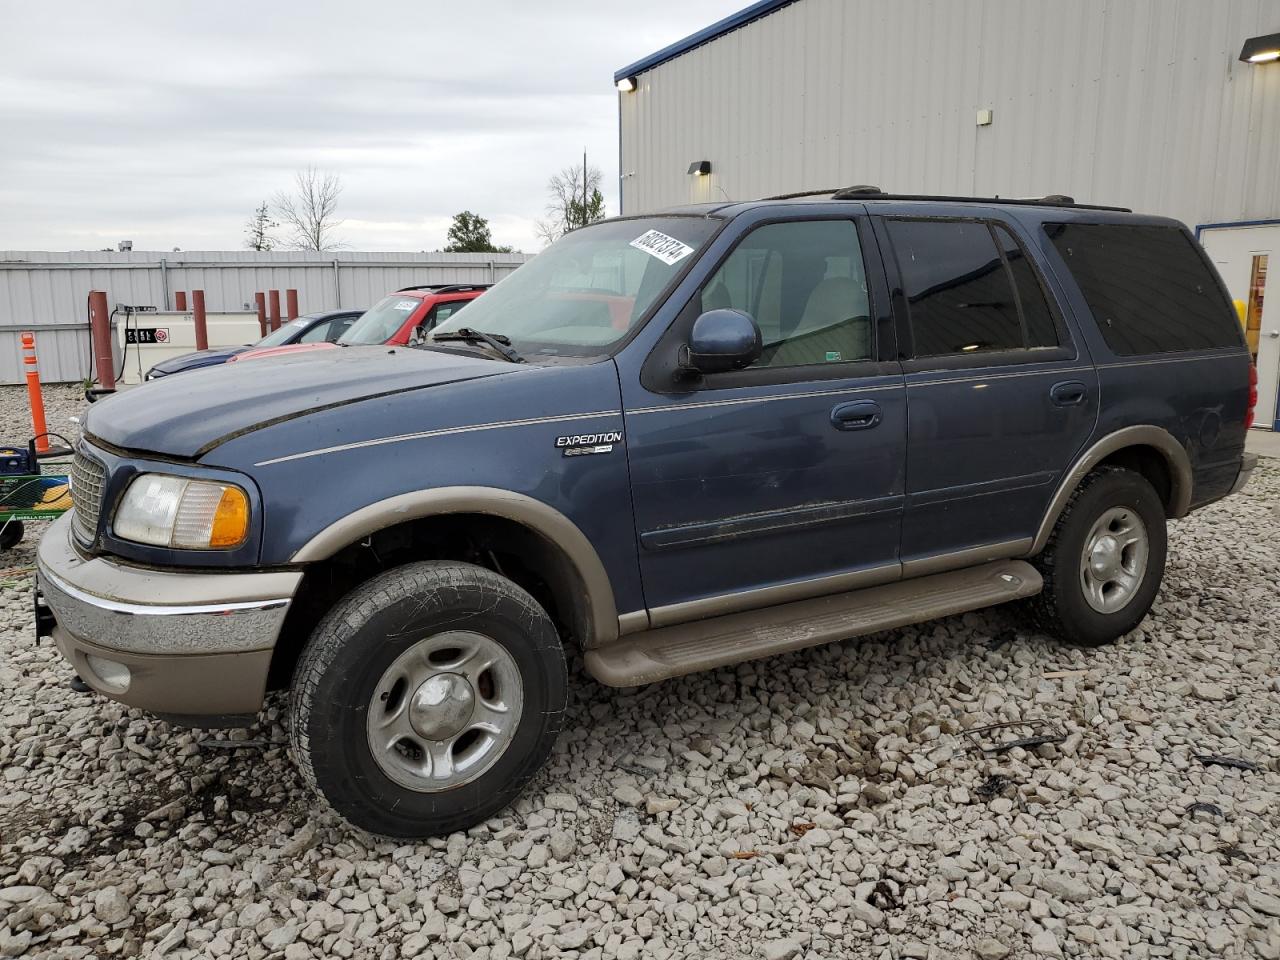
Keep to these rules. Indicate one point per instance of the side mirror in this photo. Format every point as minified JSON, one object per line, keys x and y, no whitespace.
{"x":721,"y":340}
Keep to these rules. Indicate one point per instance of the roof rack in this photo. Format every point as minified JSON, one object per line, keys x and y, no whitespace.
{"x":447,"y":287}
{"x":867,"y":192}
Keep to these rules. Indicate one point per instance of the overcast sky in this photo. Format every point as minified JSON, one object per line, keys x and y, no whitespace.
{"x":167,"y":123}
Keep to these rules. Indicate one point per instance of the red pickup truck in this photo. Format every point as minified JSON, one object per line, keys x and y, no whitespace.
{"x":401,"y":318}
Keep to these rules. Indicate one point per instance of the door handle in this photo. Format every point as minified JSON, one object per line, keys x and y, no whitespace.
{"x":1069,"y":393}
{"x":856,"y":415}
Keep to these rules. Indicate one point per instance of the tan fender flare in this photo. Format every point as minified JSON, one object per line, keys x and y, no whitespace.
{"x":1175,"y":458}
{"x":533,"y":514}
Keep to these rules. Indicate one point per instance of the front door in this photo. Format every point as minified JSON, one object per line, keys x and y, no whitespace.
{"x":784,"y":480}
{"x":999,"y":398}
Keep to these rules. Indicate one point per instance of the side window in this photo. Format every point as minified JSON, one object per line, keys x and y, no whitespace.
{"x":435,"y":316}
{"x":805,"y":284}
{"x":443,"y":312}
{"x":318,"y":333}
{"x":1042,"y":331}
{"x":1149,"y":289}
{"x":958,"y":291}
{"x":339,"y":326}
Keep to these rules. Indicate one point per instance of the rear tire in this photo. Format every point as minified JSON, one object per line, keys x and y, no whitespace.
{"x":1104,"y":560}
{"x":427,"y":698}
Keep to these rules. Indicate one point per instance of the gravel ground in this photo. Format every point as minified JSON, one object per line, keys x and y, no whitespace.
{"x":822,"y":804}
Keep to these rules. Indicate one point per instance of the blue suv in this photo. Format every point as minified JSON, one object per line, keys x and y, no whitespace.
{"x":676,"y":442}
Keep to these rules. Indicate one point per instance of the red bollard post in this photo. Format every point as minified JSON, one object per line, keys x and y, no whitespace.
{"x":291,"y":303}
{"x":261,"y":299}
{"x":38,"y":425}
{"x":275,"y":309}
{"x":202,"y":327}
{"x":180,"y":301}
{"x":100,"y":332}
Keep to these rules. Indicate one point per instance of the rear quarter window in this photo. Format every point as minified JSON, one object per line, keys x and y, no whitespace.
{"x":1148,"y":287}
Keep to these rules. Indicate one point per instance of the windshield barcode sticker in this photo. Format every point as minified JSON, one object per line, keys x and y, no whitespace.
{"x":667,"y":249}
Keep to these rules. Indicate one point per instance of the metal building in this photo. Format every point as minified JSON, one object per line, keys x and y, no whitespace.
{"x":46,"y":292}
{"x":1149,"y":104}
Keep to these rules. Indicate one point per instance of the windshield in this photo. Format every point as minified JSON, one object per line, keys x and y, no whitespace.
{"x":283,"y":333}
{"x":379,"y":323}
{"x":587,"y":290}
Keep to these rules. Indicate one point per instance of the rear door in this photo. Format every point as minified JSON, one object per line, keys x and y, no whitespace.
{"x":1000,"y":396}
{"x":783,"y":480}
{"x":1169,"y":347}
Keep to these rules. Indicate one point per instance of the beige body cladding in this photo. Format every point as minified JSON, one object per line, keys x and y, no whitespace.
{"x":201,"y":643}
{"x":607,"y":625}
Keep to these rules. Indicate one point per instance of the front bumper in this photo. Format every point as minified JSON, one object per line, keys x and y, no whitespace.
{"x":178,"y":643}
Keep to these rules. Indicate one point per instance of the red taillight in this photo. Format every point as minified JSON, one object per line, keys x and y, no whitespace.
{"x":1253,"y":396}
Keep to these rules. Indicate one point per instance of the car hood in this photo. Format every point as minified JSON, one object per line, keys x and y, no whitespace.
{"x":186,"y":417}
{"x":286,"y":349}
{"x":201,"y":358}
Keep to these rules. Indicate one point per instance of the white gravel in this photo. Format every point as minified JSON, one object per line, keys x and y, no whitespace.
{"x":821,"y":804}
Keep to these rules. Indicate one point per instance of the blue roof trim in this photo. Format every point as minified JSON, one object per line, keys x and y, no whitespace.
{"x":1200,"y":227}
{"x":718,"y":29}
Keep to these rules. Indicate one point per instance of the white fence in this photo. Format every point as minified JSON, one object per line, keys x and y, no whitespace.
{"x":48,"y":292}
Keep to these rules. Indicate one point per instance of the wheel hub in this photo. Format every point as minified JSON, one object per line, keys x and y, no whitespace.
{"x":1104,"y":558}
{"x":441,"y":707}
{"x":1114,"y":562}
{"x":445,"y":710}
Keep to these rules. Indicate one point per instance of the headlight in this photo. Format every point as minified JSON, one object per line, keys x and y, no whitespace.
{"x":188,"y":514}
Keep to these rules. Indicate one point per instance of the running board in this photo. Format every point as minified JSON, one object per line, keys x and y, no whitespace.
{"x":721,"y":641}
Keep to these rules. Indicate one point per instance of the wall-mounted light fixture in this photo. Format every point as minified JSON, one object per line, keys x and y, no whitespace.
{"x":1261,"y":49}
{"x":626,"y":84}
{"x":700,"y":168}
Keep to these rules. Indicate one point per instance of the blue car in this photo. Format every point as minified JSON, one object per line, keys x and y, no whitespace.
{"x":674,"y":442}
{"x":327,"y":326}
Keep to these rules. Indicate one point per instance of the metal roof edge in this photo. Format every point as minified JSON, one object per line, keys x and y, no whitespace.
{"x":762,"y":8}
{"x":1223,"y":224}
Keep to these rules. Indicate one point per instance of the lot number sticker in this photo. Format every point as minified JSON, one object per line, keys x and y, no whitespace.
{"x":667,"y":249}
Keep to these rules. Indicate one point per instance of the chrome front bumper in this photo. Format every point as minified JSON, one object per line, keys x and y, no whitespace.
{"x":179,"y":643}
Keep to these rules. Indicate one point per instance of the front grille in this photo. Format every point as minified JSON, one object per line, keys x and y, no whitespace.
{"x":87,"y":482}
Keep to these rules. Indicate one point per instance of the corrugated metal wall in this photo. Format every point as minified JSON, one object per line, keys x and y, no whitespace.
{"x":1140,"y":103}
{"x":47,"y":291}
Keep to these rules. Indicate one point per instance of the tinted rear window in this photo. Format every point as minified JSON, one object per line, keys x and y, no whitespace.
{"x":1150,"y":290}
{"x":1041,"y":329}
{"x":963,"y":293}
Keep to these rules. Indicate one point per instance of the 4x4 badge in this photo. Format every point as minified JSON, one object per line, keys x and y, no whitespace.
{"x":586,"y":444}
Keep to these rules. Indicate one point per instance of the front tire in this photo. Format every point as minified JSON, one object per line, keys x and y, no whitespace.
{"x":1104,"y":561}
{"x":427,"y":698}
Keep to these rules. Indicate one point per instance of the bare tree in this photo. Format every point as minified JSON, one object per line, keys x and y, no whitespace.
{"x":574,"y":200}
{"x":308,"y":213}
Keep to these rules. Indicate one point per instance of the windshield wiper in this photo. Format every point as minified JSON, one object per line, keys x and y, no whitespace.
{"x":497,"y":341}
